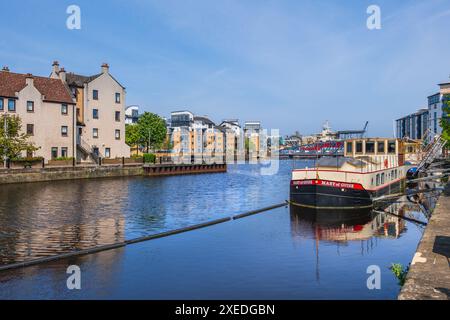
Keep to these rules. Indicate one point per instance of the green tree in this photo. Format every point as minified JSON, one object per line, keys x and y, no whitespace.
{"x":444,"y":122}
{"x":12,"y":141}
{"x":151,"y":130}
{"x":131,"y":135}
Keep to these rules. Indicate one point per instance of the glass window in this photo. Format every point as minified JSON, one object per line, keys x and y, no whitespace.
{"x":95,"y":94}
{"x":64,"y":109}
{"x":378,"y":179}
{"x":1,"y":104}
{"x":349,"y":147}
{"x":95,"y":132}
{"x":359,"y":147}
{"x":30,"y":129}
{"x":95,"y":113}
{"x":64,"y":152}
{"x":117,"y":97}
{"x":54,"y":152}
{"x":117,"y":134}
{"x":380,"y":146}
{"x":391,"y":146}
{"x":117,"y":115}
{"x":64,"y":131}
{"x":30,"y":106}
{"x":11,"y":105}
{"x":107,"y":152}
{"x":370,"y":147}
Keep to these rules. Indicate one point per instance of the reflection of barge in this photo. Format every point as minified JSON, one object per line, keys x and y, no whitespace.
{"x":369,"y":168}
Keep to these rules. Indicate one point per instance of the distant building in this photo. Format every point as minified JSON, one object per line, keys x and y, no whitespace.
{"x":181,"y":119}
{"x":131,"y":114}
{"x":413,"y":126}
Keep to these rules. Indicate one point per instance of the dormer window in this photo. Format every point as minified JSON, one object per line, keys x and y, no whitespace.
{"x":95,"y":94}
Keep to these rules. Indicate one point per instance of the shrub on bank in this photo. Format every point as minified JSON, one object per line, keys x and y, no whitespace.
{"x":26,"y":162}
{"x":149,"y":158}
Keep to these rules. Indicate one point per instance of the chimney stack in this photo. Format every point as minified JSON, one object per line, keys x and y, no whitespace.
{"x":105,"y":68}
{"x":55,"y":67}
{"x":5,"y":68}
{"x":29,"y":80}
{"x":62,"y":74}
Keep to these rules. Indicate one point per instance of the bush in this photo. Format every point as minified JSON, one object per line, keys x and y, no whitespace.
{"x":64,"y":158}
{"x":149,"y":158}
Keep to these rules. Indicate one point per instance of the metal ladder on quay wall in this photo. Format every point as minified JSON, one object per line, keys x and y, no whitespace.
{"x":432,"y":151}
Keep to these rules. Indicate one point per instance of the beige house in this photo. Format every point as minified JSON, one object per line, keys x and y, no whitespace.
{"x":46,"y":108}
{"x":100,"y":110}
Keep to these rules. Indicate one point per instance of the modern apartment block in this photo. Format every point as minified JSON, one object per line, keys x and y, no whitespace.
{"x":46,"y":108}
{"x":100,"y":113}
{"x":414,"y":126}
{"x":200,"y":139}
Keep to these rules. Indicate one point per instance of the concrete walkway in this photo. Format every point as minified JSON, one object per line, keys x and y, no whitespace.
{"x":429,"y":274}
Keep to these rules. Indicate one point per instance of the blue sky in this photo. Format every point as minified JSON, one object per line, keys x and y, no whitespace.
{"x":291,"y":64}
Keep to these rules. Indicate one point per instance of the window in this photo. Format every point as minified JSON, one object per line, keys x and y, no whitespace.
{"x":95,"y":133}
{"x":95,"y":94}
{"x":382,"y":178}
{"x":95,"y":113}
{"x":30,"y":106}
{"x":117,"y":134}
{"x":64,"y":109}
{"x":1,"y":104}
{"x":54,"y":152}
{"x":117,"y":115}
{"x":370,"y":147}
{"x":64,"y":152}
{"x":107,"y":152}
{"x":29,"y":154}
{"x":359,"y":147}
{"x":349,"y":147}
{"x":30,"y":129}
{"x":11,"y":105}
{"x":64,"y":131}
{"x":378,"y":179}
{"x":380,"y":146}
{"x":391,"y":146}
{"x":117,"y":97}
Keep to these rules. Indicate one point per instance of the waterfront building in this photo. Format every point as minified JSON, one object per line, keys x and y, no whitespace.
{"x":436,"y":102}
{"x":234,"y":140}
{"x":413,"y":126}
{"x":100,"y":103}
{"x":46,"y":108}
{"x":131,"y":114}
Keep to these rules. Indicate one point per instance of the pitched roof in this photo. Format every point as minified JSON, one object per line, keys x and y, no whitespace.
{"x":79,"y":80}
{"x":53,"y":90}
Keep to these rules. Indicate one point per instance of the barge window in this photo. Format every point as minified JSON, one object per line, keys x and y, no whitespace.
{"x":391,"y":147}
{"x":380,"y":146}
{"x":359,"y":147}
{"x":370,"y":147}
{"x":382,"y":178}
{"x":349,"y":147}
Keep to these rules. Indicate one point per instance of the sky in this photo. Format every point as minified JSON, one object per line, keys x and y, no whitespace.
{"x":290,"y":64}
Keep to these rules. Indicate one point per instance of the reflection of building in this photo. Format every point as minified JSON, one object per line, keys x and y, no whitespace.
{"x":54,"y":227}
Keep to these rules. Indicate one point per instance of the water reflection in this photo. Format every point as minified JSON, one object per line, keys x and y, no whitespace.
{"x":341,"y":226}
{"x":50,"y":218}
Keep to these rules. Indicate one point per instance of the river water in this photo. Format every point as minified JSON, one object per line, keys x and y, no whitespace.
{"x":278,"y":254}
